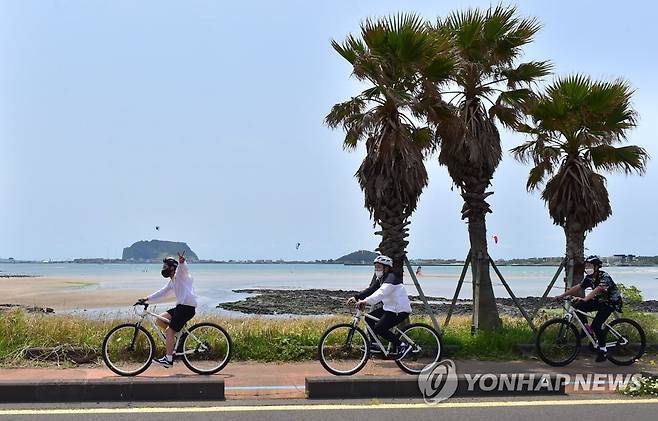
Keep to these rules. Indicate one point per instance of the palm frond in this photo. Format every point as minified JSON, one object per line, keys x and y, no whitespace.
{"x":628,"y":159}
{"x":526,"y":73}
{"x":538,"y":174}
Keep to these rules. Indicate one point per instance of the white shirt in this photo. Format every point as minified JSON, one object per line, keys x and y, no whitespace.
{"x":181,"y":285}
{"x":394,"y":297}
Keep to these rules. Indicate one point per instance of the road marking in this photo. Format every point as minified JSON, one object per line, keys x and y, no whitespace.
{"x":323,"y":407}
{"x":299,"y":387}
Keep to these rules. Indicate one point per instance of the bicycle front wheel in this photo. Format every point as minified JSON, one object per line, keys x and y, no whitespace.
{"x":206,"y":348}
{"x":558,"y":342}
{"x":426,"y":347}
{"x":625,"y":341}
{"x":128,"y":349}
{"x":344,"y":349}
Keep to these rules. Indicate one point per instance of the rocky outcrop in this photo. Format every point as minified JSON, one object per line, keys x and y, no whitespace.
{"x":156,"y":250}
{"x":360,"y":257}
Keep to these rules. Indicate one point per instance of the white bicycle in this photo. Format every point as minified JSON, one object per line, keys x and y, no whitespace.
{"x":128,"y":349}
{"x":344,"y":348}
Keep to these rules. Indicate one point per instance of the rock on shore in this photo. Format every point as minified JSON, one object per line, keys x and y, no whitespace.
{"x":323,"y":301}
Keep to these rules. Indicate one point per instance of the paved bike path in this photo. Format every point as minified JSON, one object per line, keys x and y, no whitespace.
{"x":255,"y":380}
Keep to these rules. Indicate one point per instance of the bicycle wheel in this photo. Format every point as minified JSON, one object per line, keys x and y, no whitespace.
{"x":344,"y":349}
{"x":206,"y":348}
{"x":128,"y":349}
{"x":426,"y":347}
{"x":558,"y":342}
{"x":625,"y":340}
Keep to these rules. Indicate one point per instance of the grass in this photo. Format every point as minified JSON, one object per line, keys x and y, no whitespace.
{"x":256,"y":339}
{"x":79,"y":284}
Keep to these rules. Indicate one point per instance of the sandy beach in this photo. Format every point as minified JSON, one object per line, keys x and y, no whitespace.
{"x":65,"y":294}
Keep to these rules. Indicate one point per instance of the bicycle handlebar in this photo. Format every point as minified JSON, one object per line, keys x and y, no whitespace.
{"x":141,"y":303}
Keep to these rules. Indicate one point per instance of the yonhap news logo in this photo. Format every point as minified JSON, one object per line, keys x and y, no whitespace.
{"x":439,"y":381}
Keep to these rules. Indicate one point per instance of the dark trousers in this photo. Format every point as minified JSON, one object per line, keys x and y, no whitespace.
{"x":603,"y":311}
{"x":387,"y":319}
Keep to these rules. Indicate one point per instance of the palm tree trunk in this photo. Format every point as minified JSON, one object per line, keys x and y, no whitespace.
{"x":575,"y":237}
{"x":488,"y":311}
{"x":475,"y":209}
{"x":394,"y":232}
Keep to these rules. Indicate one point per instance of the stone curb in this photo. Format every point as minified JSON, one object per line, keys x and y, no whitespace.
{"x":116,"y":389}
{"x":407,"y":387}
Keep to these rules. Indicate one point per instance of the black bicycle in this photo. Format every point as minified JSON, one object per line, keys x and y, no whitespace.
{"x":558,"y":340}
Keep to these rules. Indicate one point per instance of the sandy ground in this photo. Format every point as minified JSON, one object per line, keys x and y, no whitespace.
{"x":65,"y":294}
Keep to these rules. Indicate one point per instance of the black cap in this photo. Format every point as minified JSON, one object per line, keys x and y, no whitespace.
{"x":170,"y":261}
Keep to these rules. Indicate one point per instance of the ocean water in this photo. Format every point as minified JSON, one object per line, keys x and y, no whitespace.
{"x":214,"y":283}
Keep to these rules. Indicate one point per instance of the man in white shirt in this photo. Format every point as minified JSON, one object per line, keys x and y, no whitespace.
{"x":181,"y":283}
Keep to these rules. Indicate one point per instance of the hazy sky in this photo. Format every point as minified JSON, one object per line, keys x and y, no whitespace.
{"x":206,"y":118}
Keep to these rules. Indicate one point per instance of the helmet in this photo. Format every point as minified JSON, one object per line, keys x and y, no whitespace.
{"x":170,"y":261}
{"x":594,"y":260}
{"x":384,"y":260}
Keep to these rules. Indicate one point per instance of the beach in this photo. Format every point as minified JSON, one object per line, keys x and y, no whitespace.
{"x":64,"y":294}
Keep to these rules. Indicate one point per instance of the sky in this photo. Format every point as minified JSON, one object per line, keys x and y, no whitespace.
{"x":206,"y":118}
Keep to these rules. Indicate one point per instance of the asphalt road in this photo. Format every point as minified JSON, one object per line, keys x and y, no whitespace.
{"x":590,"y":409}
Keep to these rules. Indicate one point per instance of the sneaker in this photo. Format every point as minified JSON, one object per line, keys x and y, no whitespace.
{"x":601,"y":356}
{"x":403,"y":350}
{"x":164,"y":362}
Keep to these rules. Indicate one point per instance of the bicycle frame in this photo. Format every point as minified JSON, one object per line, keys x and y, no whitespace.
{"x":571,"y":315}
{"x":150,"y":316}
{"x":362,"y":315}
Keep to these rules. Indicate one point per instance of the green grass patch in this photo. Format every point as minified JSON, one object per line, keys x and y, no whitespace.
{"x":258,"y":339}
{"x":79,"y":284}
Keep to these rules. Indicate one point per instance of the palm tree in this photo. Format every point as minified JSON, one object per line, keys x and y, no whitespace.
{"x":488,"y":87}
{"x":397,"y":57}
{"x":577,"y":122}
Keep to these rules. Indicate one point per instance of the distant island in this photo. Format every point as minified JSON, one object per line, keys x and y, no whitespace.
{"x":156,"y":250}
{"x":360,"y":257}
{"x":153,"y":251}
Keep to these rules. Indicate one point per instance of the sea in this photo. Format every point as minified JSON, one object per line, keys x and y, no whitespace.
{"x":215,"y":283}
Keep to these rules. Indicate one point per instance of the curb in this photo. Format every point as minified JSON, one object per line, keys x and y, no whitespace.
{"x":116,"y":389}
{"x":407,"y":387}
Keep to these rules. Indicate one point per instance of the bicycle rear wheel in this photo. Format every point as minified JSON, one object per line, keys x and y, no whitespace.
{"x":206,"y":348}
{"x":558,"y":342}
{"x":128,"y":349}
{"x":426,"y":348}
{"x":625,"y":340}
{"x":344,"y":349}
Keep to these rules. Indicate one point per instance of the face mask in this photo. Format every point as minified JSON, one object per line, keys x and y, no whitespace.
{"x":589,"y":271}
{"x":379,"y":273}
{"x":166,"y":273}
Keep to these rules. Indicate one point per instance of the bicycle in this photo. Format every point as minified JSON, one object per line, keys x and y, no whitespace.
{"x":128,"y":348}
{"x":558,"y":340}
{"x":344,"y":349}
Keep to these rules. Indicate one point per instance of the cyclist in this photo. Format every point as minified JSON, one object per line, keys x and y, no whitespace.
{"x":181,"y":283}
{"x":387,"y":288}
{"x":605,"y":298}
